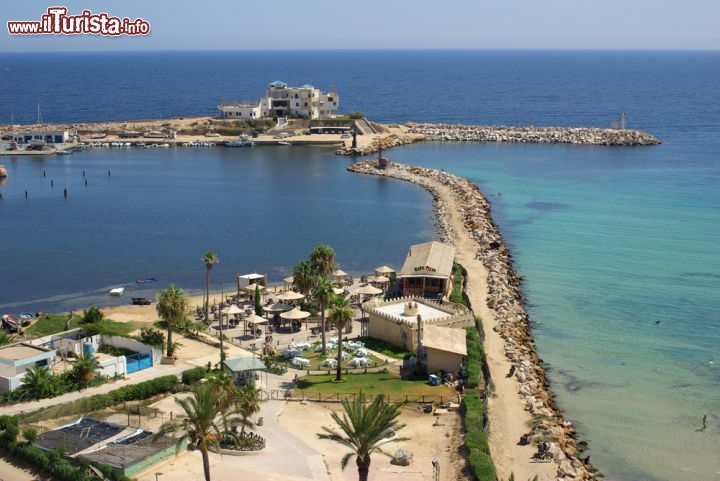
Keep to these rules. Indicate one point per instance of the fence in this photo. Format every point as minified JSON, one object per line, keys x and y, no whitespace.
{"x":299,"y":395}
{"x":139,"y":361}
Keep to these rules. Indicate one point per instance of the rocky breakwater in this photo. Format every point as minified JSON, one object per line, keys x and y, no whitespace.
{"x":384,"y":143}
{"x":539,"y":135}
{"x":505,"y":298}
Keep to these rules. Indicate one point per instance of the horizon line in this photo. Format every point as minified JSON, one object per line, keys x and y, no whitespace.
{"x":428,"y":49}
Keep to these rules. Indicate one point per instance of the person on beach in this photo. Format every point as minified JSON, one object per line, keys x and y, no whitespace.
{"x":705,"y":421}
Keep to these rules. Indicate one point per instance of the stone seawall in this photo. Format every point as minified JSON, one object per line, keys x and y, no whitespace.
{"x":505,"y":298}
{"x":538,"y":135}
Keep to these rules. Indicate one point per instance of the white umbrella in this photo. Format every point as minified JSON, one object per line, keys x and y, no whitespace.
{"x":384,"y":270}
{"x":381,"y":279}
{"x":233,"y":309}
{"x":295,"y":314}
{"x":278,"y":307}
{"x":289,"y":280}
{"x":338,"y":290}
{"x":251,"y":287}
{"x":290,"y":296}
{"x":339,"y":273}
{"x":369,"y":290}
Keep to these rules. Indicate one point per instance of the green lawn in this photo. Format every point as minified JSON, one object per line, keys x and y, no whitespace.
{"x":371,"y":383}
{"x":53,"y":323}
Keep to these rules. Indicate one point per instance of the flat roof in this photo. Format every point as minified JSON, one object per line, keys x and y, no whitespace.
{"x":427,"y":312}
{"x":79,"y":435}
{"x":448,"y":339}
{"x":16,"y":352}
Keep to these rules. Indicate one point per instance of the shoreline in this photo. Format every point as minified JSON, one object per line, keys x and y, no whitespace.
{"x":191,"y":131}
{"x":463,"y":216}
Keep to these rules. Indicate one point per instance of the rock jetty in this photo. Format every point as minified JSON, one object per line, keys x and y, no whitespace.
{"x":505,"y":298}
{"x":537,"y":135}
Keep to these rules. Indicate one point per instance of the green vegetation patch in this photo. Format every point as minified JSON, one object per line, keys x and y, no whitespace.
{"x":385,"y":348}
{"x":371,"y":384}
{"x":49,"y":324}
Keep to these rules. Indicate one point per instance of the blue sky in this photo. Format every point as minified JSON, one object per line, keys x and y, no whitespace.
{"x":383,"y":24}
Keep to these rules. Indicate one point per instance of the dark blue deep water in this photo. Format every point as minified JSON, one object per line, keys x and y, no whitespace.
{"x":609,"y":240}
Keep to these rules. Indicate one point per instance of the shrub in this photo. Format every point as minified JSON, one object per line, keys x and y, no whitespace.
{"x":475,"y":358}
{"x":152,"y":337}
{"x":191,"y":376}
{"x":30,"y":435}
{"x":476,"y":440}
{"x":482,"y":466}
{"x":92,"y":315}
{"x":356,"y":115}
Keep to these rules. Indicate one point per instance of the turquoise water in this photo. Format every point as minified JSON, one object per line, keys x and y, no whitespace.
{"x":611,"y":242}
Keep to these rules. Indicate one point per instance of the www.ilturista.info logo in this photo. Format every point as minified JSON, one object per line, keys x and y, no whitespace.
{"x":57,"y":22}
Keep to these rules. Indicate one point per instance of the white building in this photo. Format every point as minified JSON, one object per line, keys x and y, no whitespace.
{"x":283,"y":101}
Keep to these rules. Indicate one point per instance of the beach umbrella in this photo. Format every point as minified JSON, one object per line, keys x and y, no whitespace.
{"x":233,"y":309}
{"x":369,"y":290}
{"x":338,"y":290}
{"x":290,"y":296}
{"x":381,"y":279}
{"x":295,"y":314}
{"x":289,"y":280}
{"x":254,"y":319}
{"x":278,"y":307}
{"x":339,"y":273}
{"x":251,"y":287}
{"x":384,"y":270}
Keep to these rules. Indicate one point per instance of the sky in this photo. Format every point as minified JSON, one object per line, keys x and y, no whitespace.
{"x":381,"y":24}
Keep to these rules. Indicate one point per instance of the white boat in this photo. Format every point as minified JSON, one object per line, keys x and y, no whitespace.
{"x":118,"y":291}
{"x":282,"y":142}
{"x":242,"y":141}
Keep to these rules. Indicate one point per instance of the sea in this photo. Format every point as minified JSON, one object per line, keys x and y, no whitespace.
{"x":618,"y":246}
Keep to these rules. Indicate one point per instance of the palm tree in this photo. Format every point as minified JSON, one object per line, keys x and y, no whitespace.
{"x":171,"y":306}
{"x":303,"y":279}
{"x":322,"y":260}
{"x":223,"y":382}
{"x":323,"y":294}
{"x":84,"y":368}
{"x":365,"y":427}
{"x":247,"y":402}
{"x":36,"y":383}
{"x":210,"y":259}
{"x":205,"y":421}
{"x":340,"y":315}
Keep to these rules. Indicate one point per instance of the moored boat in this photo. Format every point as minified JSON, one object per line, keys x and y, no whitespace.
{"x":26,"y":318}
{"x":145,"y":280}
{"x":10,"y":322}
{"x":242,"y":141}
{"x":117,"y":292}
{"x":141,"y":301}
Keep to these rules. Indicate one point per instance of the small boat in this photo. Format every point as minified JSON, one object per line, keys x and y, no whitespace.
{"x":10,"y":322}
{"x":282,"y":142}
{"x":117,"y":292}
{"x":26,"y":318}
{"x":141,"y":301}
{"x":3,"y":171}
{"x":64,"y":152}
{"x":242,"y":141}
{"x":145,"y":280}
